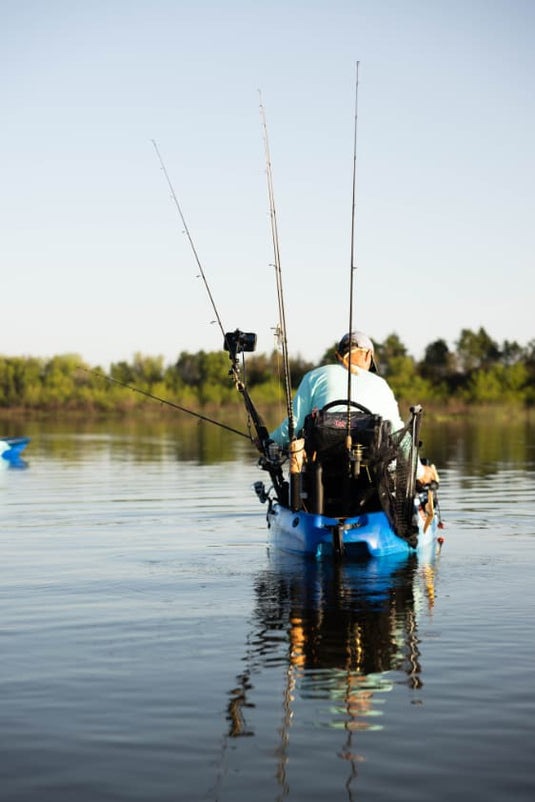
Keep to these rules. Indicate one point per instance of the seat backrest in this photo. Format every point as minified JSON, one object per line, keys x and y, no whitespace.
{"x":325,"y":434}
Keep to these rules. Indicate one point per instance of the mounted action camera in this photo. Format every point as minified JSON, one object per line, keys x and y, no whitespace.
{"x":238,"y":341}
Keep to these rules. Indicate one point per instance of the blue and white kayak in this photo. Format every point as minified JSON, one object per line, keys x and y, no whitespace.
{"x":11,"y":448}
{"x":367,"y":535}
{"x":352,"y":496}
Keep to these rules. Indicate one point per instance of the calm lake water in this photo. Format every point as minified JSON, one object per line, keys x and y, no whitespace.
{"x":152,"y":648}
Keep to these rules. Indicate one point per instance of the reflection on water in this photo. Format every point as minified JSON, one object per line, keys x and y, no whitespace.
{"x":344,"y":634}
{"x":478,"y":445}
{"x":481,"y":445}
{"x":171,"y":435}
{"x":151,"y":650}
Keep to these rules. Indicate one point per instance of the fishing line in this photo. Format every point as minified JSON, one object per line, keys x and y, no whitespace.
{"x":163,"y":401}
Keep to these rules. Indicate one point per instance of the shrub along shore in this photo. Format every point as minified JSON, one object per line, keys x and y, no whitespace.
{"x":478,"y":372}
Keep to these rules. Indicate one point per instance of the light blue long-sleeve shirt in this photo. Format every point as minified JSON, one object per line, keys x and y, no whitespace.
{"x":329,"y":383}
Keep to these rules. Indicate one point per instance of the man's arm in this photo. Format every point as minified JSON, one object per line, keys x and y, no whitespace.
{"x":302,"y":406}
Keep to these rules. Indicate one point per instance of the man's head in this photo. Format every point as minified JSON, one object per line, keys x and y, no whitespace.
{"x":357,"y":347}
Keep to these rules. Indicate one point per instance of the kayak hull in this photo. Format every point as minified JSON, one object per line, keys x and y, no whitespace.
{"x":366,"y":535}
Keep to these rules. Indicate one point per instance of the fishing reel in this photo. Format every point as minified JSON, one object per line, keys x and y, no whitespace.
{"x":272,"y":456}
{"x":261,"y":492}
{"x":236,"y":342}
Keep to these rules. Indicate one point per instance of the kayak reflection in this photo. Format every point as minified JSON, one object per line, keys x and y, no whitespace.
{"x":339,"y":631}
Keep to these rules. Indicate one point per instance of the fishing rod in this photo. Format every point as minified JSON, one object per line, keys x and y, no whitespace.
{"x":278,"y":276}
{"x":295,"y":451}
{"x":235,"y":343}
{"x":190,"y":240}
{"x":164,"y":401}
{"x":353,"y":267}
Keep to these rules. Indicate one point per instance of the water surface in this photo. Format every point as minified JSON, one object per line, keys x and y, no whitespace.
{"x":153,"y":648}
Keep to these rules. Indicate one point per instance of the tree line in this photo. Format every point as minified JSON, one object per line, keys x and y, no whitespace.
{"x":478,"y":370}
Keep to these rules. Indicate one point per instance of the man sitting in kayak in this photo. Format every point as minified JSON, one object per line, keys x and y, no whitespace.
{"x":329,"y":383}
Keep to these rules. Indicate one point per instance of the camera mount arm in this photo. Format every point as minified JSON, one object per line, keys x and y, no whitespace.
{"x":237,"y":342}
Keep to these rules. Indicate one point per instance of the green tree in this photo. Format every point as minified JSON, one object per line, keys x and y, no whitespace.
{"x":59,"y":384}
{"x":438,"y":360}
{"x":405,"y":382}
{"x":20,"y":380}
{"x":476,"y":350}
{"x":123,"y":372}
{"x":511,"y":352}
{"x":173,"y":380}
{"x":388,"y":352}
{"x":499,"y":384}
{"x":148,"y":370}
{"x":215,"y":385}
{"x":188,"y":368}
{"x":259,"y":368}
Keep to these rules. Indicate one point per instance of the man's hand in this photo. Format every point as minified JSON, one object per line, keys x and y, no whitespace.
{"x":429,"y":475}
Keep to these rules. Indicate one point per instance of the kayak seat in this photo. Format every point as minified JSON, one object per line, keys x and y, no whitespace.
{"x":337,"y":481}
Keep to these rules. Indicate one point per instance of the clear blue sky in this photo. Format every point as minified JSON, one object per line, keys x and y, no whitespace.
{"x":92,"y":253}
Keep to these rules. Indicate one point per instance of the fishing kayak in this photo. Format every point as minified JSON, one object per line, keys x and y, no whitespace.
{"x":365,"y":502}
{"x":354,"y":487}
{"x":11,"y":448}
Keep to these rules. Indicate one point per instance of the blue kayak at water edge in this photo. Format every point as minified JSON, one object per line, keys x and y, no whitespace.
{"x":11,"y":448}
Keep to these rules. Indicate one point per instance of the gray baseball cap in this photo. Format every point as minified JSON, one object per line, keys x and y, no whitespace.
{"x":357,"y":339}
{"x":354,"y":339}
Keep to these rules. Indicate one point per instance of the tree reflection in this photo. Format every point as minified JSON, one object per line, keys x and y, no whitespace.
{"x":481,"y":446}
